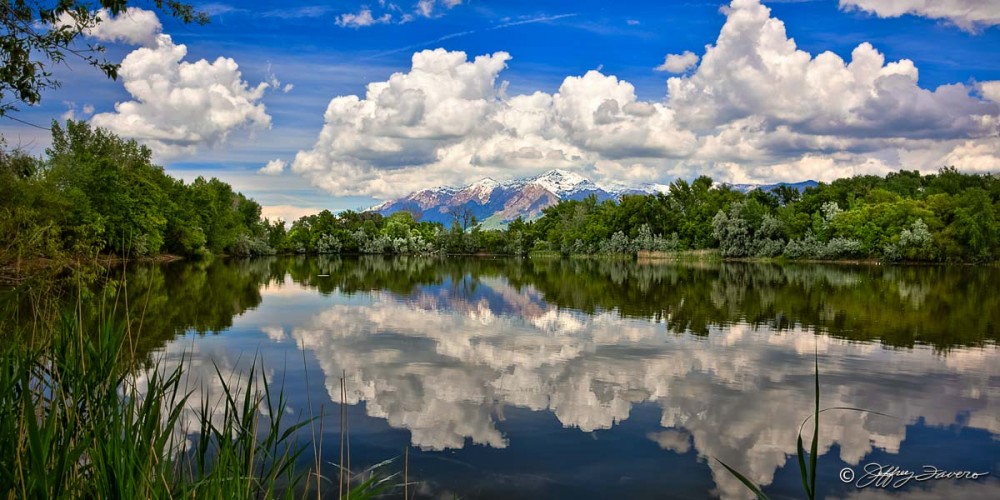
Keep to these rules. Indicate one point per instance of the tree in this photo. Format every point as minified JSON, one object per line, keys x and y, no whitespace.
{"x":35,"y":35}
{"x":463,"y":217}
{"x":786,"y":194}
{"x":115,"y":190}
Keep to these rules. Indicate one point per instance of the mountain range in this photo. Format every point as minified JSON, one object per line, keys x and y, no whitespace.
{"x":495,"y":204}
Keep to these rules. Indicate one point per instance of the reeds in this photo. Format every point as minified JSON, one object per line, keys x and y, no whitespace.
{"x":80,"y":417}
{"x":807,"y":472}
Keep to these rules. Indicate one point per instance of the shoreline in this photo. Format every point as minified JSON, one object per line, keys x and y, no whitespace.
{"x":15,"y":273}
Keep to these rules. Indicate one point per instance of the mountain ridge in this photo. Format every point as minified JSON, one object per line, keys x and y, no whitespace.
{"x":495,"y":203}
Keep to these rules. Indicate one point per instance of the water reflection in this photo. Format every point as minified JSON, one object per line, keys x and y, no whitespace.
{"x":445,"y":349}
{"x":444,"y":360}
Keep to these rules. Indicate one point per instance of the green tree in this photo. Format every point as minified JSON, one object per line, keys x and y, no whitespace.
{"x":115,"y":190}
{"x":37,"y":34}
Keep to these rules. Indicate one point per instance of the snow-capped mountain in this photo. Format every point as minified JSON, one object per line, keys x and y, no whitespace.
{"x":495,"y":204}
{"x":561,"y":182}
{"x":800,"y":186}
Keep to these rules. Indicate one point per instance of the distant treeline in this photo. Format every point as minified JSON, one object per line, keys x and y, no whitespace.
{"x":947,"y":216}
{"x":944,"y":217}
{"x":97,"y":193}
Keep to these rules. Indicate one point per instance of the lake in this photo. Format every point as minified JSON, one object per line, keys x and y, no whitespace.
{"x":520,"y":378}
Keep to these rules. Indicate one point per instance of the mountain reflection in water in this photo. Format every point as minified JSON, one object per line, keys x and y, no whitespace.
{"x":716,"y":361}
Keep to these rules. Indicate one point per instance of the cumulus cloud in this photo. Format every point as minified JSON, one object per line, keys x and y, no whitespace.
{"x":362,"y":19}
{"x":134,"y":26}
{"x":274,"y":167}
{"x":755,"y":108}
{"x":447,"y":120}
{"x":207,"y":376}
{"x":467,"y":357}
{"x":754,"y":69}
{"x":769,"y":111}
{"x":678,"y":63}
{"x":178,"y":105}
{"x":969,"y":15}
{"x":990,"y":90}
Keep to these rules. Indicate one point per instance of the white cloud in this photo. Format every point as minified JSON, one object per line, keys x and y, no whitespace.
{"x":780,"y":113}
{"x":218,"y":9}
{"x":632,"y":22}
{"x":273,"y":167}
{"x":447,"y":121}
{"x":426,"y":8}
{"x":472,"y":356}
{"x":679,"y":63}
{"x":134,"y":26}
{"x":73,"y":114}
{"x":969,"y":15}
{"x":274,"y":83}
{"x":177,"y":105}
{"x":754,"y":69}
{"x":275,"y":333}
{"x":362,"y":19}
{"x":990,"y":90}
{"x":755,"y":109}
{"x":208,"y":375}
{"x":288,"y":213}
{"x":310,"y":11}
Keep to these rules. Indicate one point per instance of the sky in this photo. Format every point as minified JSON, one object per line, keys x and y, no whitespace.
{"x":338,"y":105}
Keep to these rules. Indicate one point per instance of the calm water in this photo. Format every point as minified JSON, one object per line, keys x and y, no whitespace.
{"x":583,"y":379}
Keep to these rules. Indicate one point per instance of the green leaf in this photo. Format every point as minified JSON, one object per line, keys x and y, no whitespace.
{"x":746,"y":482}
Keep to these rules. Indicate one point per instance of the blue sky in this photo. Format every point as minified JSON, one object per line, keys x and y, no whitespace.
{"x":816,"y":124}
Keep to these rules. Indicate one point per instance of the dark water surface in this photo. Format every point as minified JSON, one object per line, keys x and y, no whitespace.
{"x":596,"y":379}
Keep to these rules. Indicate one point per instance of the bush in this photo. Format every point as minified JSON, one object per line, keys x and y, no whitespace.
{"x":810,"y":247}
{"x":328,"y":243}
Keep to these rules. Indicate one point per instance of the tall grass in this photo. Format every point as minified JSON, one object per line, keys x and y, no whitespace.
{"x":807,"y":471}
{"x":80,"y":417}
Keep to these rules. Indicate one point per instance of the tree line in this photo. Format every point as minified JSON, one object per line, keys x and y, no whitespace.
{"x":94,"y":193}
{"x":947,"y":216}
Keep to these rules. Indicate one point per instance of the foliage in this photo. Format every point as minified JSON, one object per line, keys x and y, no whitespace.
{"x":947,"y":216}
{"x":97,"y":193}
{"x":79,"y":418}
{"x":36,"y":35}
{"x":748,"y":231}
{"x":86,"y":411}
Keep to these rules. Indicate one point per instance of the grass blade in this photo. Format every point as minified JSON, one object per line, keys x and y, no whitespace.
{"x":815,"y":440}
{"x":746,"y":482}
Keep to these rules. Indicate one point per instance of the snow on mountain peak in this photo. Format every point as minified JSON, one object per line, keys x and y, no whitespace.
{"x":480,"y":190}
{"x":560,"y":181}
{"x":484,"y":183}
